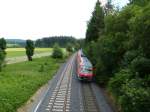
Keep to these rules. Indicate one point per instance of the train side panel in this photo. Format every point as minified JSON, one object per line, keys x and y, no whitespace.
{"x":84,"y":67}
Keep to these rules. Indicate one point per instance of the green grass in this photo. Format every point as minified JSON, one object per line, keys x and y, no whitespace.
{"x":18,"y":82}
{"x":16,"y":52}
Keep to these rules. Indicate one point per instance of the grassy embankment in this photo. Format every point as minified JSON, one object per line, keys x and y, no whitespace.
{"x":18,"y":82}
{"x":16,"y":52}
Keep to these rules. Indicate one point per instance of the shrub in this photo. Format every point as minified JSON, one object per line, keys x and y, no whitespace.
{"x":57,"y":52}
{"x":69,"y":48}
{"x":101,"y":76}
{"x":141,"y":66}
{"x":120,"y":78}
{"x":129,"y":56}
{"x":132,"y":94}
{"x":135,"y":97}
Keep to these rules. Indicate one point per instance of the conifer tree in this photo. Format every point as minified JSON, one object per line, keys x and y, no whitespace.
{"x":96,"y":23}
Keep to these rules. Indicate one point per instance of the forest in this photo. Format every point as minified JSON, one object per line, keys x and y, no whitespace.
{"x":50,"y":41}
{"x":118,"y":44}
{"x":47,"y":42}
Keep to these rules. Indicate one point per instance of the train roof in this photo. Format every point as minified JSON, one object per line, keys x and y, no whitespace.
{"x":81,"y":53}
{"x":86,"y":62}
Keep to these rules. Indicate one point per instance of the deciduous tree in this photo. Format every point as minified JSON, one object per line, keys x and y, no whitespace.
{"x":2,"y":52}
{"x":29,"y":49}
{"x":57,"y":52}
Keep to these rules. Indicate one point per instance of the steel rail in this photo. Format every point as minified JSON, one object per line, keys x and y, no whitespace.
{"x":61,"y":94}
{"x":89,"y":99}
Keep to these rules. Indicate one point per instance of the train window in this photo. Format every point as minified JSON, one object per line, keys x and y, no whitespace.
{"x":86,"y":70}
{"x":82,"y":55}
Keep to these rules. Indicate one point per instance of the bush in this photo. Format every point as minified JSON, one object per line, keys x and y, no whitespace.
{"x":57,"y":52}
{"x":69,"y":48}
{"x":129,"y":56}
{"x":2,"y":58}
{"x":141,"y":66}
{"x":132,"y":94}
{"x":115,"y":83}
{"x":135,"y":97}
{"x":101,"y":73}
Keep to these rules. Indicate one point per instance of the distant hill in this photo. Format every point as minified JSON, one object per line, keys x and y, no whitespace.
{"x":15,"y":42}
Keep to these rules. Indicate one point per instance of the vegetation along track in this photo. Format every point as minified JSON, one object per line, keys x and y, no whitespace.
{"x":60,"y":99}
{"x":89,"y":100}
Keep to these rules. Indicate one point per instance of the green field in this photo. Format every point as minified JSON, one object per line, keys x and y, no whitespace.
{"x":18,"y":82}
{"x":16,"y":52}
{"x":12,"y":45}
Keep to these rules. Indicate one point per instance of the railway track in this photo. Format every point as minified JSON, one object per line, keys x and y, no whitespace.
{"x":60,"y":99}
{"x":67,"y":94}
{"x":89,"y":100}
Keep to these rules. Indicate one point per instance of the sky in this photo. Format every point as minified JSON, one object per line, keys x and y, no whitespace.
{"x":33,"y":19}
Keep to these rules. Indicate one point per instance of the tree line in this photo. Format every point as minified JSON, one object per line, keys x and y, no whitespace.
{"x":43,"y":42}
{"x":15,"y":43}
{"x":118,"y":44}
{"x":3,"y":45}
{"x":57,"y":42}
{"x":50,"y":41}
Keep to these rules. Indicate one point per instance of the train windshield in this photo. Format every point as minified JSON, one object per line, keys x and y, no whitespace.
{"x":86,"y":70}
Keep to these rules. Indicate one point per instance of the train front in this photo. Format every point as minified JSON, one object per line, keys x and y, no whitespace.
{"x":86,"y":73}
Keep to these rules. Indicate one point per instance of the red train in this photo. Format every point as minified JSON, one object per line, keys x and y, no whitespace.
{"x":84,"y":67}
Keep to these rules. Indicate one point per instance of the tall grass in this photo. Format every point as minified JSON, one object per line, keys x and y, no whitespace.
{"x":18,"y":82}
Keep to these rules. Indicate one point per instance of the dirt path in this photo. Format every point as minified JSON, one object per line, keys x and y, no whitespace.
{"x":24,"y":58}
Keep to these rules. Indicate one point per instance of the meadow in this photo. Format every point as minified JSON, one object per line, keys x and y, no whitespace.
{"x":16,"y":52}
{"x":18,"y":82}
